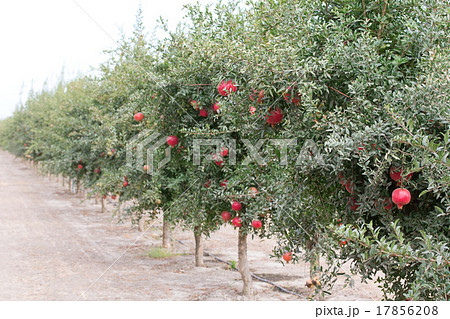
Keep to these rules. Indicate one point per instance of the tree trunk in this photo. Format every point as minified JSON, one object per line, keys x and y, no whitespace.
{"x":63,"y":181}
{"x":314,"y":269}
{"x":70,"y":185}
{"x":243,"y":264}
{"x":119,"y":208}
{"x":198,"y":247}
{"x":78,"y":188}
{"x":141,"y":224}
{"x":314,"y":265}
{"x":166,"y":233}
{"x":103,"y":204}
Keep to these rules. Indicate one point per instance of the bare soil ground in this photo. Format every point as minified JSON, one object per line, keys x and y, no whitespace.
{"x":56,"y":246}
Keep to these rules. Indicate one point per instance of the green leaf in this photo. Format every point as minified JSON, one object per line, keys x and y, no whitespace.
{"x":423,"y":192}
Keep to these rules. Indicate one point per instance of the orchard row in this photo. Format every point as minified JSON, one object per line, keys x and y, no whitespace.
{"x":372,"y":94}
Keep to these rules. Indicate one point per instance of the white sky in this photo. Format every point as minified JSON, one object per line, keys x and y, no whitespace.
{"x":40,"y":37}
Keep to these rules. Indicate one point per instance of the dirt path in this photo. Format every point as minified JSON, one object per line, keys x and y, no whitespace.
{"x":53,"y":246}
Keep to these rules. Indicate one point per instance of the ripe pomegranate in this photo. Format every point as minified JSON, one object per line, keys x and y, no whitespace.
{"x":221,"y":89}
{"x":226,"y":88}
{"x":253,"y":191}
{"x":102,"y":154}
{"x":275,"y":116}
{"x":226,"y":216}
{"x":352,"y":204}
{"x":253,"y":95}
{"x":224,"y":152}
{"x":400,"y":197}
{"x":208,"y":183}
{"x":342,"y":180}
{"x":25,"y":144}
{"x":216,"y":107}
{"x":146,"y":167}
{"x":387,"y":204}
{"x":172,"y":140}
{"x":236,"y":222}
{"x":203,"y":113}
{"x":287,"y":257}
{"x":295,"y":100}
{"x":252,"y":110}
{"x":350,"y":186}
{"x":125,"y":184}
{"x":224,"y":183}
{"x":97,"y":170}
{"x":113,"y":196}
{"x":194,"y":104}
{"x":395,"y":173}
{"x":219,"y":163}
{"x":342,"y":243}
{"x":139,"y":116}
{"x":80,"y":166}
{"x":257,"y":224}
{"x":236,"y":206}
{"x":260,"y":96}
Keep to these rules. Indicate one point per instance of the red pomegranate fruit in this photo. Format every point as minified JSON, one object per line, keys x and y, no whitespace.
{"x":275,"y":116}
{"x":401,"y":197}
{"x":172,"y":140}
{"x":224,"y":152}
{"x":139,"y":116}
{"x":203,"y":113}
{"x":236,"y":206}
{"x":226,"y":88}
{"x":194,"y":104}
{"x":236,"y":222}
{"x":395,"y":173}
{"x":287,"y":257}
{"x":350,"y":186}
{"x":224,"y":183}
{"x":253,"y":191}
{"x":352,"y":204}
{"x":226,"y":216}
{"x":257,"y":224}
{"x":387,"y":204}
